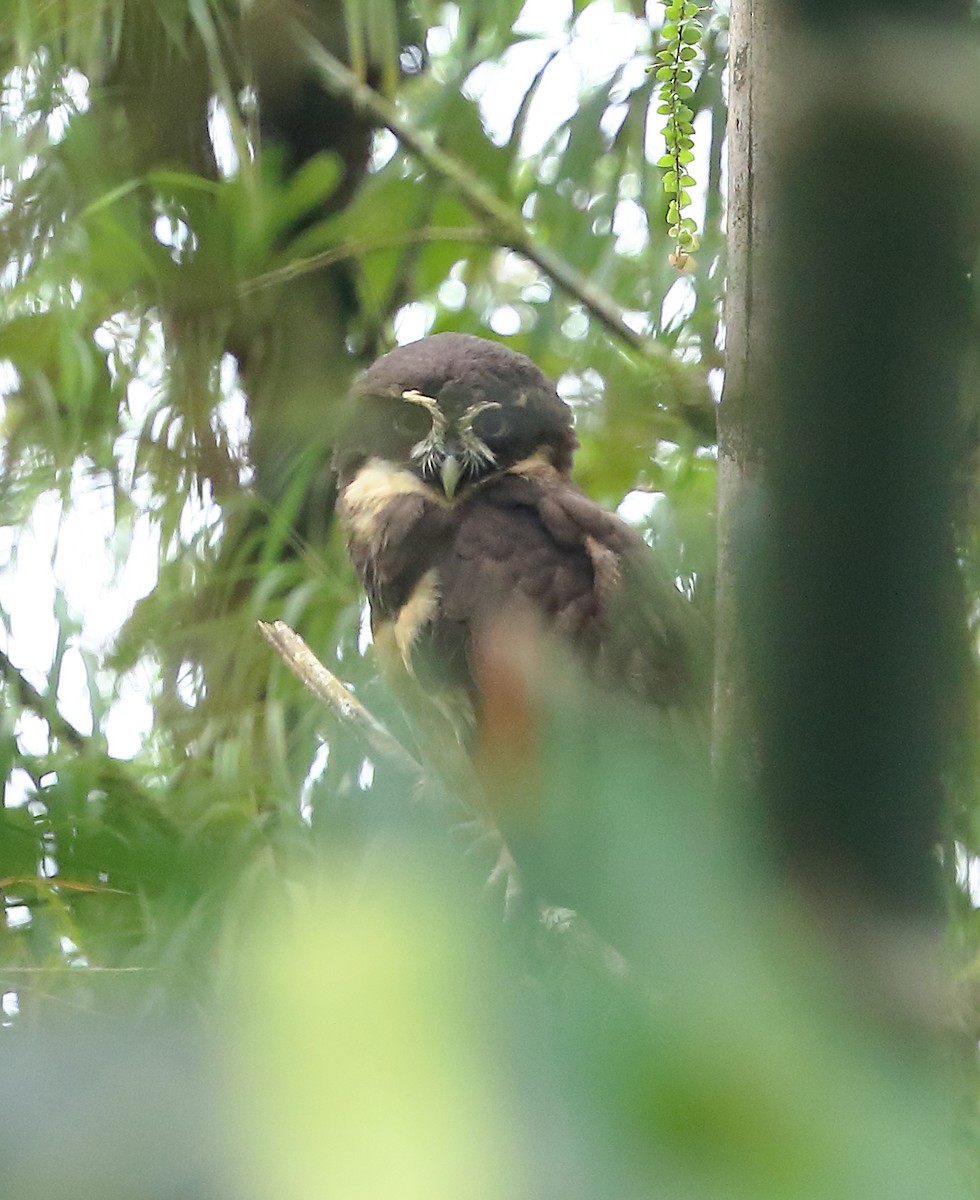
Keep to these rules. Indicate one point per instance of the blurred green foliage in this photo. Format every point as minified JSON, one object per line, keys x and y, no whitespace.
{"x":187,"y":842}
{"x":144,"y":295}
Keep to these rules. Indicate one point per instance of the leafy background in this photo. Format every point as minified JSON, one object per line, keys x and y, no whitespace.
{"x":203,"y":241}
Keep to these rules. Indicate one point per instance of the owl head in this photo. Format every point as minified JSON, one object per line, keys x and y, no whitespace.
{"x":455,"y":410}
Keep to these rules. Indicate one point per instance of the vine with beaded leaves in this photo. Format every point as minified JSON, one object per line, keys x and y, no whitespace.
{"x":681,"y":34}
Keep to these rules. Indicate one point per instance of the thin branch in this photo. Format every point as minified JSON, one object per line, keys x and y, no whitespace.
{"x":327,"y":258}
{"x":112,"y":771}
{"x":88,"y":970}
{"x":44,"y":882}
{"x":30,"y":698}
{"x":340,"y":700}
{"x":458,"y":787}
{"x":506,"y":225}
{"x":328,"y":689}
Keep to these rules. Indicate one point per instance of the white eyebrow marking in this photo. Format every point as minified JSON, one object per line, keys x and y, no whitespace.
{"x":415,"y":397}
{"x":428,"y":448}
{"x":474,"y":410}
{"x":475,"y":450}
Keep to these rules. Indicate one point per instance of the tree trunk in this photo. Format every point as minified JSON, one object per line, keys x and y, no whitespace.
{"x":847,"y":320}
{"x":753,"y":42}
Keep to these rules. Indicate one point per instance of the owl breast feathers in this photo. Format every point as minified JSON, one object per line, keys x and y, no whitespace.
{"x":462,"y":522}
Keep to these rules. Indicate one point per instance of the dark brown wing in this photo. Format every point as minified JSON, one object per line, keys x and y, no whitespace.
{"x":533,"y":545}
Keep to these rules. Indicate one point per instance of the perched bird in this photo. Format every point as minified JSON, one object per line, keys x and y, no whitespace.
{"x":463,"y":525}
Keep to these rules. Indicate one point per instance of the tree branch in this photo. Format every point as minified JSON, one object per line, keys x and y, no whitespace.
{"x":342,"y":702}
{"x":458,"y":786}
{"x":499,"y":218}
{"x":30,"y":698}
{"x":336,"y":254}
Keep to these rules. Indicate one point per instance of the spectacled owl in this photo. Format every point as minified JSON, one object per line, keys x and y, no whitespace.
{"x":462,"y":520}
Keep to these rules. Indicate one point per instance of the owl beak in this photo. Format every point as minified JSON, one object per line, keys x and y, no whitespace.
{"x":449,"y":473}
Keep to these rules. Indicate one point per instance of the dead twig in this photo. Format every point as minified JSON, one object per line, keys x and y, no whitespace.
{"x":341,"y":701}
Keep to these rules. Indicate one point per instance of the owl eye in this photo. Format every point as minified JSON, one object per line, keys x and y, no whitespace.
{"x":411,"y":420}
{"x":490,"y":424}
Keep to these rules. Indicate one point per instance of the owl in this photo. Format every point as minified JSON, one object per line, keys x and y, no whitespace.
{"x":465,"y":528}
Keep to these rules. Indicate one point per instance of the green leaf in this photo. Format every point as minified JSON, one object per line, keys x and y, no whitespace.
{"x":306,"y":190}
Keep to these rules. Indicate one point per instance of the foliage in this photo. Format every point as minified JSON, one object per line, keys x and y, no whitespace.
{"x":150,"y":280}
{"x":192,"y":273}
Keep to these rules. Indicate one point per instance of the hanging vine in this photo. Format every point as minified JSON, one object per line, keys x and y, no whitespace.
{"x":681,"y":35}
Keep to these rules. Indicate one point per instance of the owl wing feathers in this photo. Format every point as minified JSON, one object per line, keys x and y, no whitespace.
{"x":540,"y":548}
{"x":526,"y":546}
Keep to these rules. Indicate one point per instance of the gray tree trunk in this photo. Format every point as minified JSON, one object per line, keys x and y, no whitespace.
{"x":847,"y":322}
{"x":752,"y":82}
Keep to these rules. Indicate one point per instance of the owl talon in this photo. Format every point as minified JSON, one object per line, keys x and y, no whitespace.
{"x":506,"y":869}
